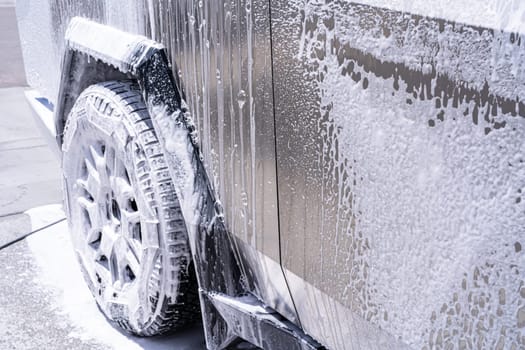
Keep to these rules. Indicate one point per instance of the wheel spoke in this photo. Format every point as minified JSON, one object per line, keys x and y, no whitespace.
{"x":114,"y":238}
{"x":119,"y":168}
{"x":101,"y":268}
{"x":91,"y":169}
{"x":100,"y":165}
{"x":124,"y":262}
{"x":107,"y":241}
{"x":91,"y":184}
{"x":129,"y":219}
{"x":93,"y":235}
{"x":110,"y":160}
{"x":83,"y":185}
{"x":133,"y":261}
{"x":114,"y":268}
{"x":93,"y":212}
{"x":122,"y":190}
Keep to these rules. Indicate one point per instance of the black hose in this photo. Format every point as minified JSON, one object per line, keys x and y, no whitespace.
{"x":29,"y":234}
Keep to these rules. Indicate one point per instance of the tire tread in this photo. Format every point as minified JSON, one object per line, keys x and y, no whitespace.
{"x":168,"y":313}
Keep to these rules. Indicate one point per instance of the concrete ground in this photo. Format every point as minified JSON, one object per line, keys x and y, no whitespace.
{"x":29,"y":172}
{"x":43,"y":301}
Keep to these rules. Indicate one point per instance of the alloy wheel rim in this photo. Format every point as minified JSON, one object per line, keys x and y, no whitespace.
{"x":110,"y":224}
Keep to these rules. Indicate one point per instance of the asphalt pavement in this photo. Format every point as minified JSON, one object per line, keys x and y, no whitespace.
{"x":44,"y":304}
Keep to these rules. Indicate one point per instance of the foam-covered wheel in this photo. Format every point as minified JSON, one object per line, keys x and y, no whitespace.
{"x":124,"y":216}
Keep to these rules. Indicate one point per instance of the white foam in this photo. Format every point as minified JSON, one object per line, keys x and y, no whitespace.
{"x":61,"y":275}
{"x":504,"y":15}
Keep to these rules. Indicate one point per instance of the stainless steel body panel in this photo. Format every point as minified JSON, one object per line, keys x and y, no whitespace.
{"x":223,"y":56}
{"x":332,"y":322}
{"x":400,"y":162}
{"x":223,"y":53}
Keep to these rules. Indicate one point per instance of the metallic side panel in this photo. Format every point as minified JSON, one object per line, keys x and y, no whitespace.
{"x":401,"y":170}
{"x":269,"y":280}
{"x":336,"y":326}
{"x":223,"y":56}
{"x":223,"y":53}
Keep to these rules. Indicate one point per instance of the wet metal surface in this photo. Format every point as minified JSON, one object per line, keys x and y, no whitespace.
{"x":400,"y":175}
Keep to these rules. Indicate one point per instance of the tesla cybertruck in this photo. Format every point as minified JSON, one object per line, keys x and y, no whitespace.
{"x":299,"y":174}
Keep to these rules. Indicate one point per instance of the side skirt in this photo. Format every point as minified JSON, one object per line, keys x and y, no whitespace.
{"x":247,"y":318}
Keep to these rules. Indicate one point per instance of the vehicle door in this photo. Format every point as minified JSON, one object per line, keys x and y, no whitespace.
{"x":223,"y":54}
{"x":399,"y":132}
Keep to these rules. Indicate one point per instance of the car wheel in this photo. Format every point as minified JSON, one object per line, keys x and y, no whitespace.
{"x":124,"y":216}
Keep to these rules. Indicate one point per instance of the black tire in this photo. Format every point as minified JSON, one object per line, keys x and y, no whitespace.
{"x":124,"y":216}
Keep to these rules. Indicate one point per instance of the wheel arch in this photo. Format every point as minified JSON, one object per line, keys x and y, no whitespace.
{"x":79,"y":72}
{"x":110,"y":54}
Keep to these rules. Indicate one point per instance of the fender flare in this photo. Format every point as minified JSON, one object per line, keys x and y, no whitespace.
{"x":104,"y":54}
